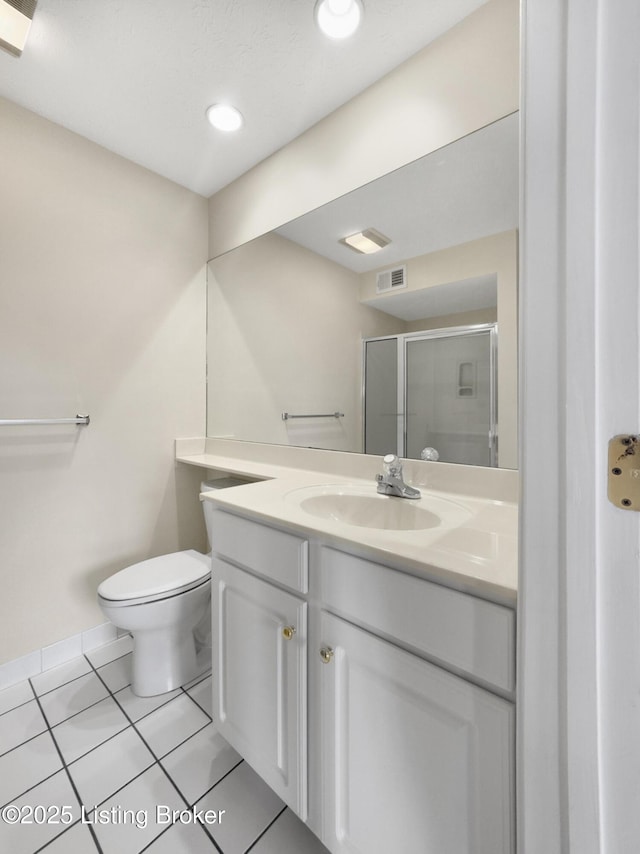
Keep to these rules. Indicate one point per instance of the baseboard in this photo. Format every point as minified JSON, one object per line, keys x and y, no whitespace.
{"x":57,"y":653}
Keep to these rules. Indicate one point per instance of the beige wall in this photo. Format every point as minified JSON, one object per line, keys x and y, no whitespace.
{"x":462,"y":81}
{"x":285,"y":333}
{"x":102,"y":310}
{"x":497,"y":254}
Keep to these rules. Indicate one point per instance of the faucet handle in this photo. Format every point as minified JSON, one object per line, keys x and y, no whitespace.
{"x":392,"y":465}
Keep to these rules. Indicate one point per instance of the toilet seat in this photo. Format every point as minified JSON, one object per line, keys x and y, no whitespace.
{"x":157,"y":578}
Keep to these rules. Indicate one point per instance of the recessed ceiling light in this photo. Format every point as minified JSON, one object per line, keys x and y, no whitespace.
{"x":224,"y":117}
{"x":367,"y":241}
{"x":15,"y":23}
{"x":338,"y":19}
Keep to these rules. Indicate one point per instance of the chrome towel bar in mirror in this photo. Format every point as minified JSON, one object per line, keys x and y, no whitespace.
{"x":286,"y":416}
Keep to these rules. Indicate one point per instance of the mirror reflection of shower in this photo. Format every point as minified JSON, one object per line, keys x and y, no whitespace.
{"x":433,"y":389}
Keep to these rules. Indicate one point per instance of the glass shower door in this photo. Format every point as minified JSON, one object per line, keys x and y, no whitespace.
{"x":450,"y":396}
{"x":383,"y":434}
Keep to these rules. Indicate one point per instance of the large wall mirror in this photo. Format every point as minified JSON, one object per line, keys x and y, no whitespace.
{"x":315,"y":344}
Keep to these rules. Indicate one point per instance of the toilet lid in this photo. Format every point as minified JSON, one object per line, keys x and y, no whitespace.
{"x":165,"y":574}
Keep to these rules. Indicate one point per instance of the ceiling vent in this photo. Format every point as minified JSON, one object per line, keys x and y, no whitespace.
{"x":391,"y":280}
{"x":15,"y":21}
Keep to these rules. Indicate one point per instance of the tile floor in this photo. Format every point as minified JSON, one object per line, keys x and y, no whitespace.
{"x":89,"y":767}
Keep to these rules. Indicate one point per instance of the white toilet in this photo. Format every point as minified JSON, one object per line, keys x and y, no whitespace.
{"x":161,"y":601}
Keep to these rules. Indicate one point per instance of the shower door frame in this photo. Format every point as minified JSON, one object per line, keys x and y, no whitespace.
{"x":404,"y":339}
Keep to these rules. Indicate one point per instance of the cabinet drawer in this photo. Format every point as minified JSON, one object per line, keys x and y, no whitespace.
{"x":469,"y":634}
{"x":278,"y":555}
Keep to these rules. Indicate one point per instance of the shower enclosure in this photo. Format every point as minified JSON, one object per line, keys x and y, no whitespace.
{"x":433,"y":389}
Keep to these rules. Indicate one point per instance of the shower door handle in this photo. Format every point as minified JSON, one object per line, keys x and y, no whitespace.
{"x":493,"y":446}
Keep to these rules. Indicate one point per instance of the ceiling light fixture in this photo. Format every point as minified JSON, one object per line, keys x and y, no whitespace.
{"x":224,"y":117}
{"x":15,"y":23}
{"x":366,"y":242}
{"x":338,"y":19}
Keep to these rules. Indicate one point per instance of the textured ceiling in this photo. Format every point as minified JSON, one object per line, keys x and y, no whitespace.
{"x":137,"y":75}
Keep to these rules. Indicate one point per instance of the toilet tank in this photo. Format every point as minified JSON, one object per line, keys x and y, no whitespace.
{"x":212,"y":485}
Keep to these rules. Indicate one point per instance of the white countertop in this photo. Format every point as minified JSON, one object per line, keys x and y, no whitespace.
{"x":474,"y":548}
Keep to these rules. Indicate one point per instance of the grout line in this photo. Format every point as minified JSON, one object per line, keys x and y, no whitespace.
{"x":87,"y":752}
{"x":159,"y":758}
{"x":96,"y":746}
{"x":271,"y":823}
{"x":155,"y":839}
{"x":131,"y":722}
{"x":147,"y":745}
{"x":135,"y":777}
{"x":75,"y":714}
{"x":167,"y":829}
{"x":55,"y":688}
{"x":55,"y":838}
{"x":193,"y":700}
{"x":69,"y":681}
{"x":114,"y":694}
{"x":104,"y":663}
{"x":19,"y":706}
{"x":31,"y":737}
{"x":26,"y":791}
{"x":201,"y":678}
{"x":211,"y":788}
{"x":224,"y":776}
{"x":67,"y":772}
{"x":184,"y":740}
{"x":106,"y":741}
{"x":156,"y":758}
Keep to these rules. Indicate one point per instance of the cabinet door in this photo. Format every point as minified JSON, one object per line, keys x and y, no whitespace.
{"x":259,"y":678}
{"x":415,"y":759}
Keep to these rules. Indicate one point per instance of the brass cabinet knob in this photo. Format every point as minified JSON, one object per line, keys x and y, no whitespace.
{"x":288,"y":632}
{"x":326,"y":654}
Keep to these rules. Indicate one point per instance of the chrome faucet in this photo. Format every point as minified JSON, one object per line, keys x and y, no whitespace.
{"x":391,"y":482}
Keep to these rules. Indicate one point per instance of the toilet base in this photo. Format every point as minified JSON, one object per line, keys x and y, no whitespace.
{"x":162,"y":661}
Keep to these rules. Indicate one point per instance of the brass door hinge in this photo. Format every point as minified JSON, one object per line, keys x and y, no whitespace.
{"x":624,"y":472}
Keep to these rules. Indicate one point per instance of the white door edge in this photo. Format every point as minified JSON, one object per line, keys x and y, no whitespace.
{"x":579,"y":599}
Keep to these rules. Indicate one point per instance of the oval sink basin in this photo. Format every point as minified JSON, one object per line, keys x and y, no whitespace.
{"x":353,"y":505}
{"x":370,"y":512}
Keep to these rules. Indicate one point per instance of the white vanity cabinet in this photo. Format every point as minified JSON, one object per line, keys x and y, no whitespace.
{"x":411,"y":719}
